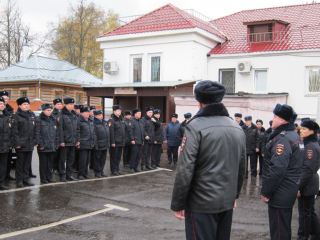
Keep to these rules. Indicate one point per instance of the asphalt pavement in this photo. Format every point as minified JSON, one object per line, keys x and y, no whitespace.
{"x":133,"y":206}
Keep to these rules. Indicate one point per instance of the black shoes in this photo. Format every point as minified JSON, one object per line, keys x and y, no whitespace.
{"x":3,"y":187}
{"x":115,"y":173}
{"x":149,"y":168}
{"x":72,"y":179}
{"x":137,"y":170}
{"x":169,"y":162}
{"x":98,"y":176}
{"x":120,"y":173}
{"x":63,"y":179}
{"x":51,"y":181}
{"x":43,"y":182}
{"x":158,"y":165}
{"x":86,"y":177}
{"x":20,"y":185}
{"x":28,"y":184}
{"x":9,"y":177}
{"x":81,"y":178}
{"x":131,"y":170}
{"x":143,"y":168}
{"x":74,"y":170}
{"x":56,"y":172}
{"x":104,"y":175}
{"x":175,"y":163}
{"x":32,"y":175}
{"x":154,"y":166}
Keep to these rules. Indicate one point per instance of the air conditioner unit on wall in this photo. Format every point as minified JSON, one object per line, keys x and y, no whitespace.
{"x":244,"y":67}
{"x":111,"y":68}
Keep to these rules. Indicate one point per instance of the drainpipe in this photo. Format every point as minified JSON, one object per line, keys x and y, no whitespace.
{"x":38,"y":77}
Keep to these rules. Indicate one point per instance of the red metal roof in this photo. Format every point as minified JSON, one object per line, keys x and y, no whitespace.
{"x":302,"y":32}
{"x":165,"y":18}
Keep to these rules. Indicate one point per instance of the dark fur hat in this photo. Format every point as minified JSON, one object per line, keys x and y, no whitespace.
{"x":78,"y":106}
{"x":46,"y":106}
{"x":4,"y":93}
{"x":260,"y":121}
{"x":149,"y":109}
{"x":22,"y":100}
{"x":127,"y":112}
{"x":284,"y":111}
{"x":157,"y":111}
{"x":97,"y":112}
{"x":134,"y":111}
{"x":238,"y":115}
{"x":209,"y":92}
{"x":2,"y":99}
{"x":116,"y":107}
{"x":312,"y":125}
{"x":92,"y":108}
{"x":174,"y":115}
{"x":187,"y":115}
{"x":68,"y":100}
{"x":248,"y":118}
{"x":57,"y":100}
{"x":85,"y":109}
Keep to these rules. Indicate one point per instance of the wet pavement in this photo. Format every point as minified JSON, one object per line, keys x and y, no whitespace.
{"x":146,"y":195}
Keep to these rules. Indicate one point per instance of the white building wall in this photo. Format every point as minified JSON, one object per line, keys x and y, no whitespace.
{"x":286,"y":73}
{"x":183,"y":56}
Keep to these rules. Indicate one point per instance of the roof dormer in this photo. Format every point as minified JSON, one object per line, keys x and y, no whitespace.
{"x":265,"y":30}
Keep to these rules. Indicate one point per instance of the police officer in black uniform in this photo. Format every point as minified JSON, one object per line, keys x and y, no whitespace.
{"x":252,"y":145}
{"x":91,"y":117}
{"x":87,"y":142}
{"x":76,"y":112}
{"x":117,"y":139}
{"x":147,"y":121}
{"x":309,"y":182}
{"x":281,"y":173}
{"x":126,"y":151}
{"x":57,"y":114}
{"x":266,"y":140}
{"x":261,"y":131}
{"x":23,"y":139}
{"x":158,"y":139}
{"x":47,"y":135}
{"x":69,"y":138}
{"x":137,"y":140}
{"x":9,"y":109}
{"x":187,"y":117}
{"x":238,"y":118}
{"x":5,"y":143}
{"x":102,"y":144}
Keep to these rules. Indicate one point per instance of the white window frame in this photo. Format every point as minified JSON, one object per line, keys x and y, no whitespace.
{"x":150,"y":55}
{"x":307,"y":93}
{"x":254,"y":80}
{"x":131,"y":66}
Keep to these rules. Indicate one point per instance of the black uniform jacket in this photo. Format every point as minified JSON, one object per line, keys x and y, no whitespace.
{"x":103,"y":134}
{"x":158,"y":131}
{"x":47,"y":133}
{"x":309,"y":179}
{"x":88,"y":136}
{"x":5,"y":131}
{"x":212,"y":163}
{"x":128,"y":128}
{"x":148,"y":129}
{"x":69,"y":128}
{"x":137,"y":131}
{"x":117,"y":131}
{"x":252,"y":138}
{"x":282,"y":167}
{"x":23,"y":126}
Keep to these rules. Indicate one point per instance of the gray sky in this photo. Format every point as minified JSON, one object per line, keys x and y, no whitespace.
{"x":39,"y":12}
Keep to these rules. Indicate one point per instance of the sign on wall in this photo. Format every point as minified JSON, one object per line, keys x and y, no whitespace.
{"x":125,"y":90}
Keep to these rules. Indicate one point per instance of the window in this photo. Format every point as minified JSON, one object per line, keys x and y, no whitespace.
{"x":314,"y":79}
{"x":137,"y":69}
{"x":79,"y":97}
{"x":155,"y":69}
{"x":227,"y":78}
{"x":260,"y":33}
{"x":23,"y":93}
{"x":260,"y":80}
{"x":58,"y":94}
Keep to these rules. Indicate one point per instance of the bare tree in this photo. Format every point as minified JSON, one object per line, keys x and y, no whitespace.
{"x":14,"y":33}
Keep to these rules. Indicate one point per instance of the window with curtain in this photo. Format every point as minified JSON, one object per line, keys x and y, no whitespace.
{"x":227,"y":78}
{"x":155,"y":69}
{"x":260,"y":79}
{"x":79,"y":97}
{"x":58,"y":94}
{"x":314,"y":79}
{"x":137,"y":69}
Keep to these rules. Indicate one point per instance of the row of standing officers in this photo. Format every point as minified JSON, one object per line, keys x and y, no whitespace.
{"x":75,"y":136}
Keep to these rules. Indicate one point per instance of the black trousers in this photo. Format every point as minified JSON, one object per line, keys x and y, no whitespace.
{"x":56,"y":159}
{"x":280,"y":223}
{"x":172,"y":150}
{"x":3,"y":166}
{"x":23,"y":166}
{"x":76,"y":160}
{"x":92,"y":159}
{"x":136,"y":151}
{"x":208,"y":226}
{"x":84,"y":161}
{"x":253,"y":164}
{"x":9,"y":159}
{"x":100,"y":157}
{"x":308,"y":220}
{"x":156,"y":154}
{"x":66,"y":161}
{"x":126,"y":155}
{"x":115,"y":158}
{"x":45,"y":167}
{"x":146,"y":154}
{"x":259,"y":155}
